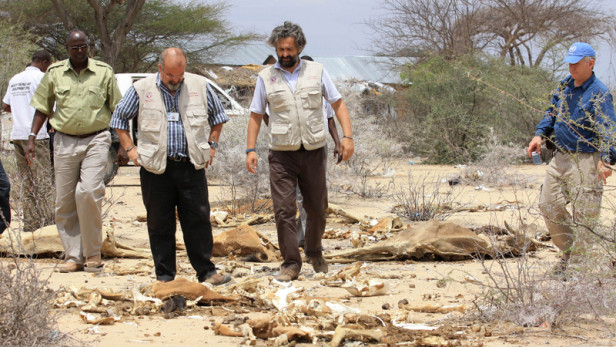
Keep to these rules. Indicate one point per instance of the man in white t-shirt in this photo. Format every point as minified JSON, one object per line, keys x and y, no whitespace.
{"x":38,"y":185}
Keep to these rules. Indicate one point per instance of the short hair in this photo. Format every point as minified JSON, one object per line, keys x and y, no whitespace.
{"x":163,"y":55}
{"x":41,"y":56}
{"x":288,"y":29}
{"x":588,"y":58}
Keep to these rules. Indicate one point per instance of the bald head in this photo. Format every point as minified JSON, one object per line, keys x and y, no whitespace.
{"x":171,"y":65}
{"x":77,"y":47}
{"x":172,"y":57}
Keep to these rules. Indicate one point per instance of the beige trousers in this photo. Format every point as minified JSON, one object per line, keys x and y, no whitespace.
{"x":571,"y":179}
{"x":37,"y":185}
{"x":80,"y":165}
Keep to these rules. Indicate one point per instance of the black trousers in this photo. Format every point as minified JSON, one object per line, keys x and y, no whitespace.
{"x":5,"y":189}
{"x":183,"y":187}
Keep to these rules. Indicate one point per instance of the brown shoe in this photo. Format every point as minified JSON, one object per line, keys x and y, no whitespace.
{"x":94,"y":264}
{"x":287,"y":275}
{"x":318,"y":264}
{"x":218,"y":279}
{"x":69,"y":266}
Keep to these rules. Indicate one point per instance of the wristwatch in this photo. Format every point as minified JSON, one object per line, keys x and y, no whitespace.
{"x":213,"y":144}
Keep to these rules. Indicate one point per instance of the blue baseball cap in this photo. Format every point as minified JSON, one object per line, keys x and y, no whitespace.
{"x":577,"y":51}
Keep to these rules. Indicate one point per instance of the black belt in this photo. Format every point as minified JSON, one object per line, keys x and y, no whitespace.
{"x":83,"y":136}
{"x":180,"y":159}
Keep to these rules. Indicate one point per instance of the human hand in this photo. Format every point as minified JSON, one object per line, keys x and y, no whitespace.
{"x":603,"y":171}
{"x":338,"y":153}
{"x":212,"y":154}
{"x":133,"y":155}
{"x":122,"y":156}
{"x":348,"y":148}
{"x":30,"y":156}
{"x":251,"y":162}
{"x":534,"y":146}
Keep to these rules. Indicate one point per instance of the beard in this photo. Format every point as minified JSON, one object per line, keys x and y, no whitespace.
{"x":288,"y":61}
{"x":174,"y":86}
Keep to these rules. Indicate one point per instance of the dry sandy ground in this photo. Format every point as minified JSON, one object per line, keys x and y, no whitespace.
{"x":417,"y":282}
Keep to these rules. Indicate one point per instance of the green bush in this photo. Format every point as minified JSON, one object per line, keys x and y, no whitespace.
{"x":453,"y":105}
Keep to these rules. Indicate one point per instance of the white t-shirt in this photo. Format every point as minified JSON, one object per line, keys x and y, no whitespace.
{"x":18,"y":95}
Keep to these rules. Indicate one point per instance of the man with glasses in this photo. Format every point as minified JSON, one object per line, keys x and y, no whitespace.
{"x":85,"y":93}
{"x":173,"y":110}
{"x":581,"y":117}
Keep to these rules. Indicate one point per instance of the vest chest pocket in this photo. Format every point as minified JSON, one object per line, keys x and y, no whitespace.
{"x":280,"y":134}
{"x":277,"y":101}
{"x":311,"y":99}
{"x":150,"y":120}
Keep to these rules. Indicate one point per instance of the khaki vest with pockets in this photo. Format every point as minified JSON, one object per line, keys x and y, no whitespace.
{"x":295,"y":118}
{"x":152,"y":136}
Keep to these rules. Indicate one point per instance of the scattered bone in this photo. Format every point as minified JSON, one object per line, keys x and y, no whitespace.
{"x":342,"y":334}
{"x":280,"y":297}
{"x":436,"y":308}
{"x":337,"y":210}
{"x":221,"y":329}
{"x":347,"y":274}
{"x":89,"y":318}
{"x":413,"y":326}
{"x":219,"y":217}
{"x":292,"y":333}
{"x":371,"y":287}
{"x":386,"y":225}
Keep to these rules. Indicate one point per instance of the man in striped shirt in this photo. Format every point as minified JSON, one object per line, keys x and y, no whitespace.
{"x":173,"y":109}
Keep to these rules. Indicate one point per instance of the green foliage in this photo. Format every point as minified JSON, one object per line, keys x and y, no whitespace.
{"x":455,"y":106}
{"x":15,"y":52}
{"x":197,"y":27}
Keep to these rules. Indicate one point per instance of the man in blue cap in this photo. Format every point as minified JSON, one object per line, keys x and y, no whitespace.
{"x":581,"y":117}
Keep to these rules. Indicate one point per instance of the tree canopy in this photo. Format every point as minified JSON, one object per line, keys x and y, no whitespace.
{"x":521,"y":32}
{"x":127,"y":34}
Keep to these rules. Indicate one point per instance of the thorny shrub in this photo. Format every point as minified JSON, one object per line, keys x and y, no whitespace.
{"x":26,"y":317}
{"x":375,"y":149}
{"x":239,"y":187}
{"x":529,"y":292}
{"x":495,"y":166}
{"x":423,"y":199}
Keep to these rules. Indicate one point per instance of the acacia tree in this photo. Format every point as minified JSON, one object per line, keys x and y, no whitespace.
{"x":522,"y":32}
{"x":127,"y":34}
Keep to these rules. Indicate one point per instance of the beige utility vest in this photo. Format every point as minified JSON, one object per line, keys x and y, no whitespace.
{"x":152,"y":136}
{"x":295,"y":118}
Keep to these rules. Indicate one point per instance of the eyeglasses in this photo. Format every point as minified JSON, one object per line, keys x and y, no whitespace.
{"x":170,"y":76}
{"x":77,"y":48}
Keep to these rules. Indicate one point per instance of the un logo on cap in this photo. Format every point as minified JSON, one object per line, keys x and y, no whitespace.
{"x":572,"y":49}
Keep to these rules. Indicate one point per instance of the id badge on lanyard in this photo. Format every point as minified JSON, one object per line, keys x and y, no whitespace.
{"x":173,"y":116}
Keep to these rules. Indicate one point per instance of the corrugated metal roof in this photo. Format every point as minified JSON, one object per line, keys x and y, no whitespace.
{"x":363,"y":68}
{"x":249,"y":53}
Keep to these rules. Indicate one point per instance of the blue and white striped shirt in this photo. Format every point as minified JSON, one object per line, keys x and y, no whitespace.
{"x":177,"y":147}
